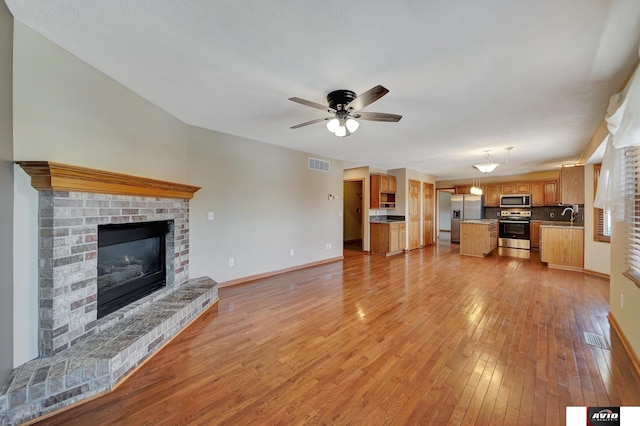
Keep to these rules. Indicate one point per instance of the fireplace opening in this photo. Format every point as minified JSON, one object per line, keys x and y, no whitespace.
{"x":131,"y":263}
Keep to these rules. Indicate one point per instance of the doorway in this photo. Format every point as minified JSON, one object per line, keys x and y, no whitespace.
{"x":444,"y":214}
{"x":352,"y":216}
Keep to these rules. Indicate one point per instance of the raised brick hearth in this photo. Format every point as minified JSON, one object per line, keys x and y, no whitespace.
{"x":81,"y":356}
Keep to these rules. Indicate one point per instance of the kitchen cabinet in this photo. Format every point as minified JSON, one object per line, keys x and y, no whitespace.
{"x":544,"y":193}
{"x":537,"y":194}
{"x":562,"y":246}
{"x":478,"y":237}
{"x":508,"y":188}
{"x":551,"y":192}
{"x":383,"y":192}
{"x":523,"y":187}
{"x":491,"y":193}
{"x":572,"y":185}
{"x":535,"y":233}
{"x":462,"y":189}
{"x":388,"y":238}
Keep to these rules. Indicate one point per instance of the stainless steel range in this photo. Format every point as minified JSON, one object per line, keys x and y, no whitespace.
{"x":515,"y":229}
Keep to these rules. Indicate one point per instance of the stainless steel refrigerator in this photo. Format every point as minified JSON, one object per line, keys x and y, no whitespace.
{"x":464,"y":207}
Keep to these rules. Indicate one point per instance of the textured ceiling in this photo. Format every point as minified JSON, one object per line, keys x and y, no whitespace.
{"x":466,"y":75}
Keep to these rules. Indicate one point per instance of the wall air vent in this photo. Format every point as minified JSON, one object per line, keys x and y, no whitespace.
{"x":320,"y":165}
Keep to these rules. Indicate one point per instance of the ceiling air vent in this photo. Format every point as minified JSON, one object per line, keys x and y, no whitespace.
{"x":320,"y":165}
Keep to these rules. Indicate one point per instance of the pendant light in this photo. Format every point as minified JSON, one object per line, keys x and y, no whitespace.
{"x":475,"y":183}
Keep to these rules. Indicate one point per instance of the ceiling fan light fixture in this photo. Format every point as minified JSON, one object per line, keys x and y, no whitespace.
{"x":333,"y":124}
{"x":352,"y":125}
{"x":341,"y":131}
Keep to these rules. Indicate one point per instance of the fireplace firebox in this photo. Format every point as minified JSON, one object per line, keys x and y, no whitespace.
{"x":131,"y":263}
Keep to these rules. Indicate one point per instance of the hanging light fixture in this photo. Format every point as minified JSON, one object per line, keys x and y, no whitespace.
{"x":475,"y":190}
{"x":488,"y":166}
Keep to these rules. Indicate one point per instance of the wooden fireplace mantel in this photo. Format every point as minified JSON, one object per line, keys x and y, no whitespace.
{"x":49,"y":176}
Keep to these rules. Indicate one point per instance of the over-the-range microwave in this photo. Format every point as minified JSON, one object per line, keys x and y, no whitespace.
{"x":515,"y":200}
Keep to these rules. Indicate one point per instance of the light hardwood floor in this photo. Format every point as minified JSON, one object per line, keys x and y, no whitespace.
{"x":427,"y":337}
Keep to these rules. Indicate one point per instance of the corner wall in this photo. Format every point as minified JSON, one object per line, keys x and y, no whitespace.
{"x":6,"y":191}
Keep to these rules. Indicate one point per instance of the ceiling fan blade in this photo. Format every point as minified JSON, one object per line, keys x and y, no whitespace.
{"x":313,"y":104}
{"x":377,"y":116}
{"x":367,"y":98}
{"x":306,"y":123}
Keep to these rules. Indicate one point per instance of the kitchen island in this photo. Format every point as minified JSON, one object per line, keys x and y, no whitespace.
{"x":478,"y":237}
{"x":562,"y":245}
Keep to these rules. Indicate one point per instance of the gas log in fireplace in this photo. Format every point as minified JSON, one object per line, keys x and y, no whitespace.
{"x":131,"y":263}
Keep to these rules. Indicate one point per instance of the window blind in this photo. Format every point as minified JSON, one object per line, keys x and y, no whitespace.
{"x":631,"y":170}
{"x":602,"y":218}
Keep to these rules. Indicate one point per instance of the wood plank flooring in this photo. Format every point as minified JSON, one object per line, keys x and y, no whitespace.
{"x":426,"y":337}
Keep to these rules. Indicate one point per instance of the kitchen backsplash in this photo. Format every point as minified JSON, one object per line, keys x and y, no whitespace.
{"x":543,"y":213}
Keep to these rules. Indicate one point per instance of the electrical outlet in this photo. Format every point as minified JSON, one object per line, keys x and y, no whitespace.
{"x":210,"y":215}
{"x":622,"y":300}
{"x":552,"y":214}
{"x":290,"y":252}
{"x":327,"y":246}
{"x":232,"y":261}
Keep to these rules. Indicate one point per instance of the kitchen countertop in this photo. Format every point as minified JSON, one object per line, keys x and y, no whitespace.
{"x":559,"y":224}
{"x":385,"y":220}
{"x":480,"y":221}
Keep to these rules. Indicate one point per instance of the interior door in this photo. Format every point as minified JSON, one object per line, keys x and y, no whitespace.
{"x":414,"y":214}
{"x":429,"y":207}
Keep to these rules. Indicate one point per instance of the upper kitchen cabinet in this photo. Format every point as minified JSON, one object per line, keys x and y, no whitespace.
{"x":491,"y":194}
{"x":544,"y":193}
{"x":383,"y":191}
{"x":537,"y":194}
{"x":551,"y":192}
{"x":572,"y":185}
{"x":462,"y":189}
{"x":509,"y":188}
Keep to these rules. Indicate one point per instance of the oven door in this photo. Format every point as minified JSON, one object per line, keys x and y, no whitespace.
{"x":514,"y":234}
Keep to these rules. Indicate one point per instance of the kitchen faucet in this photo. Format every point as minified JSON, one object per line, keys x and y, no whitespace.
{"x":572,"y":213}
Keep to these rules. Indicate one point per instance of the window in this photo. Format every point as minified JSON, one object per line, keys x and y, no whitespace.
{"x":631,"y":179}
{"x":602,"y":218}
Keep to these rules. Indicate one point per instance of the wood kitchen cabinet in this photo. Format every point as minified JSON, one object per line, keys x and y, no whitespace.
{"x":388,"y":238}
{"x":478,"y":238}
{"x":551,"y":192}
{"x":535,"y":233}
{"x":462,"y":189}
{"x":572,"y":185}
{"x":562,"y":246}
{"x":523,"y":187}
{"x":544,"y":193}
{"x":508,"y":188}
{"x":491,"y":193}
{"x":383,"y":191}
{"x":537,"y":194}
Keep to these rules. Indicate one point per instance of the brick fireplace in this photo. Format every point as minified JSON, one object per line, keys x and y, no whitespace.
{"x":81,"y":355}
